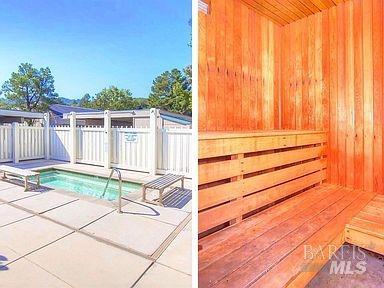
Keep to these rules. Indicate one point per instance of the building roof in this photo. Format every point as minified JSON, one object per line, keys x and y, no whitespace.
{"x":141,"y":113}
{"x":175,"y":117}
{"x":23,"y":114}
{"x":60,"y":109}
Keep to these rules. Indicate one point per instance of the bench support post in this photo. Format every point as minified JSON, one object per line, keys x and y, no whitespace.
{"x":237,"y":178}
{"x":25,"y":183}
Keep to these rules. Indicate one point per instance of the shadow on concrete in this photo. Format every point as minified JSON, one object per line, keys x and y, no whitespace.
{"x":177,"y":198}
{"x":151,"y":211}
{"x":3,"y":267}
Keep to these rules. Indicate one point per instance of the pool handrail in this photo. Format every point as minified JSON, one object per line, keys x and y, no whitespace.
{"x":120,"y":185}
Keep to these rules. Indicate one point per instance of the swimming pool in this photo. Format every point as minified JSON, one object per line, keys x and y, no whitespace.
{"x":85,"y":184}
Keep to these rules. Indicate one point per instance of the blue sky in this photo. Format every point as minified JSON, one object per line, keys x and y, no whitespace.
{"x":92,"y":44}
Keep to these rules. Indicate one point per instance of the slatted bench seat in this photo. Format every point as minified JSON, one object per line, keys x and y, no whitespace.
{"x":366,"y":229}
{"x":262,"y":200}
{"x":161,"y":184}
{"x":20,"y":172}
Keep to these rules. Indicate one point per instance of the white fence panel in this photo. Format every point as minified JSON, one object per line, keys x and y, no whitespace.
{"x":6,"y":147}
{"x":31,"y":142}
{"x":130,"y":148}
{"x":59,"y":143}
{"x":90,"y":145}
{"x":174,"y":150}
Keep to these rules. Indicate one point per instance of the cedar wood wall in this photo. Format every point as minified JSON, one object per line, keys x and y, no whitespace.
{"x":323,"y":72}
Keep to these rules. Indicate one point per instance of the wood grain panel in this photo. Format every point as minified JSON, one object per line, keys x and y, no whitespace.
{"x":239,"y":72}
{"x":346,"y":97}
{"x":321,"y":72}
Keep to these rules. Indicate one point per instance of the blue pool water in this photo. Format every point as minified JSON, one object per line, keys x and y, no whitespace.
{"x":85,"y":184}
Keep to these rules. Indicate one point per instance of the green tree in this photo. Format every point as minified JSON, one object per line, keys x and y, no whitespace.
{"x":172,"y":91}
{"x":85,"y":101}
{"x":141,"y":103}
{"x":113,"y":98}
{"x":30,"y":89}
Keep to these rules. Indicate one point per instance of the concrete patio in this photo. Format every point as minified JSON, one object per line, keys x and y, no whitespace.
{"x":53,"y":238}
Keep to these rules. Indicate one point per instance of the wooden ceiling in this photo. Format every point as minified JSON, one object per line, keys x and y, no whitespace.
{"x":283,"y":12}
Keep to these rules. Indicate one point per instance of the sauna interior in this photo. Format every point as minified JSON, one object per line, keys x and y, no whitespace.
{"x":290,"y":137}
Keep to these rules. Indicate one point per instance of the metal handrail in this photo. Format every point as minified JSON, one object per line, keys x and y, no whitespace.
{"x":120,"y":185}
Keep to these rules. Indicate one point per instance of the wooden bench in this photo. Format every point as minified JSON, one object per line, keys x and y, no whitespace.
{"x":20,"y":172}
{"x":161,"y":184}
{"x":265,"y":216}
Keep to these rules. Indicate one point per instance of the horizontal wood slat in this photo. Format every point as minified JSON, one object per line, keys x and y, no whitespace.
{"x":276,"y":193}
{"x":210,"y":172}
{"x":219,"y":194}
{"x":235,"y":145}
{"x":243,"y":173}
{"x":267,"y":180}
{"x":218,"y":215}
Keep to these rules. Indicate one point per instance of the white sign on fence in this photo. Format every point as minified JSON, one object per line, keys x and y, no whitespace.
{"x":130,"y":137}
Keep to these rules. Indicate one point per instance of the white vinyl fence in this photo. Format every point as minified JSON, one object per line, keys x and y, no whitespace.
{"x":174,"y":150}
{"x":139,"y":149}
{"x":31,"y":142}
{"x":130,"y":148}
{"x":90,"y":145}
{"x":21,"y":143}
{"x":6,"y":147}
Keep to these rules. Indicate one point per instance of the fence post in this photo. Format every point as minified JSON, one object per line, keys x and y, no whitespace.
{"x":107,"y":139}
{"x":46,"y":135}
{"x":152,"y":143}
{"x":72,"y":137}
{"x":16,"y":142}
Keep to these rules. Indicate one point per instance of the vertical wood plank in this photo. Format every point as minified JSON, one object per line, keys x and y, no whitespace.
{"x":341,"y":124}
{"x":326,"y":78}
{"x":202,"y":72}
{"x":211,"y":69}
{"x":333,"y":117}
{"x":319,"y":121}
{"x":358,"y":87}
{"x":229,"y":63}
{"x":350,"y":105}
{"x":258,"y":63}
{"x":305,"y":74}
{"x":368,"y":95}
{"x":265,"y":72}
{"x":220,"y":49}
{"x":298,"y":74}
{"x":245,"y":68}
{"x":311,"y":72}
{"x":237,"y":58}
{"x":276,"y":77}
{"x":284,"y":78}
{"x":252,"y":70}
{"x":270,"y":74}
{"x":377,"y":27}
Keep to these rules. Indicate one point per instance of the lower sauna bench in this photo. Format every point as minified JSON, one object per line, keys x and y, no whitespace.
{"x":263,"y":200}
